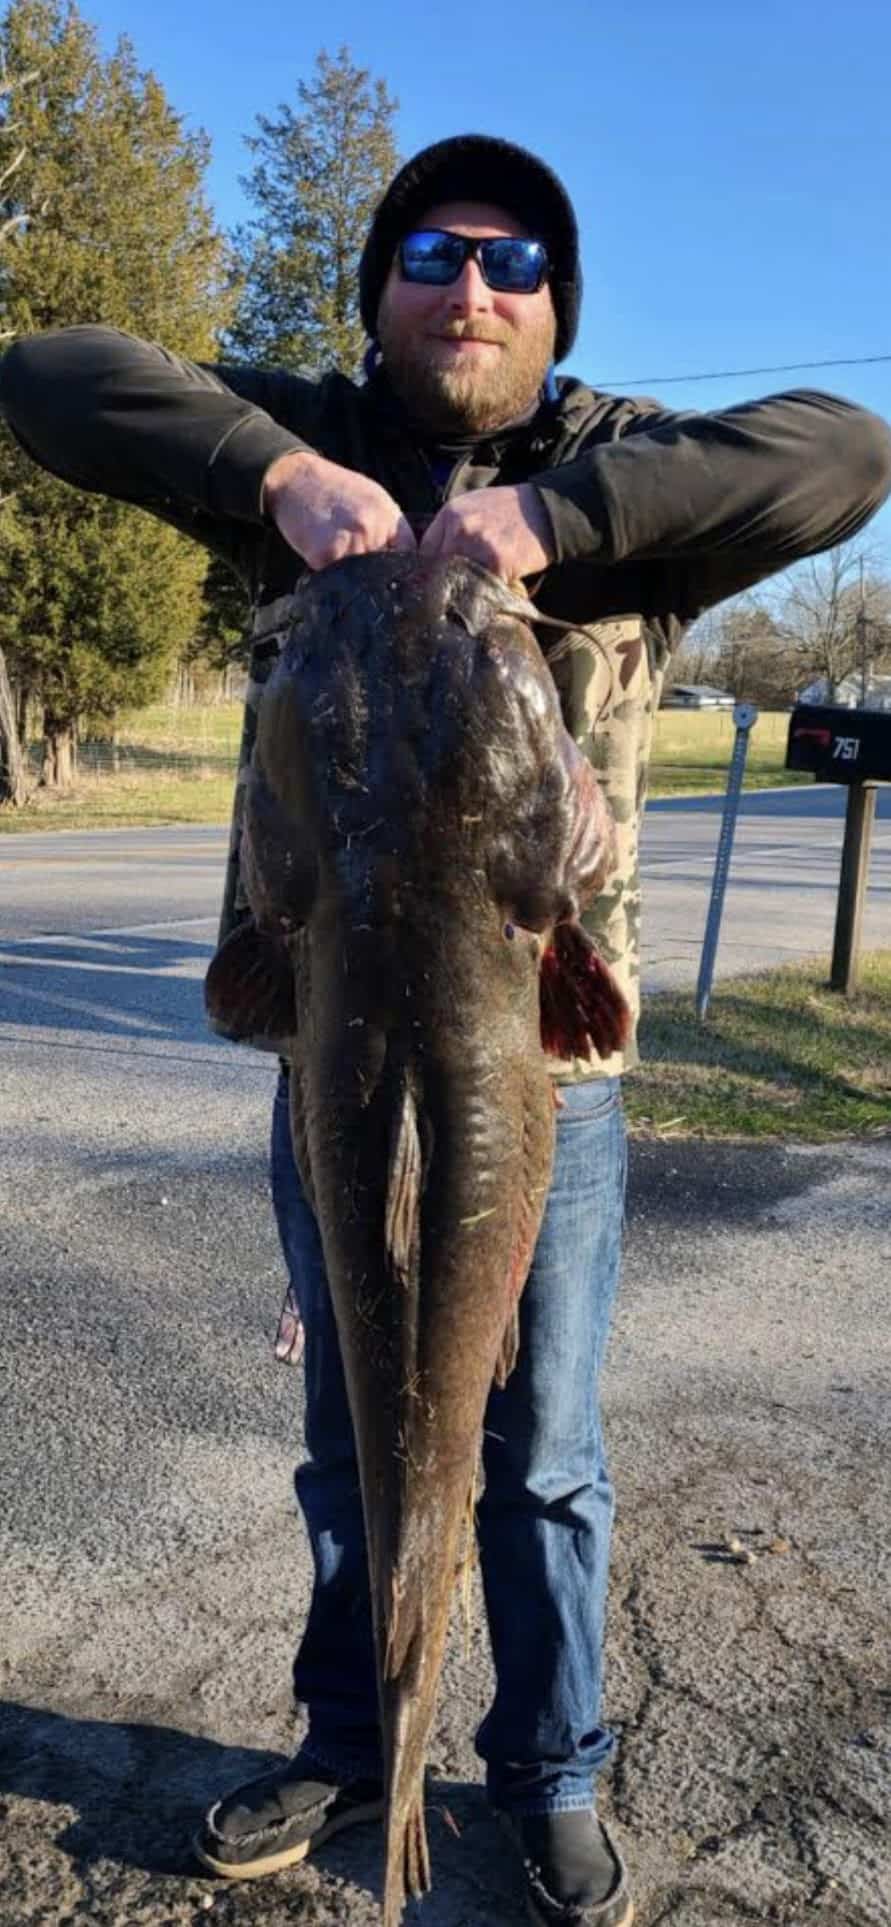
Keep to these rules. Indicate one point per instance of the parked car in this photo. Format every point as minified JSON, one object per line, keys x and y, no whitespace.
{"x":696,"y":695}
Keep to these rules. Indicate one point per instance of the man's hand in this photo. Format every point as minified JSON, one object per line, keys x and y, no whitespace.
{"x":326,"y":512}
{"x":506,"y":529}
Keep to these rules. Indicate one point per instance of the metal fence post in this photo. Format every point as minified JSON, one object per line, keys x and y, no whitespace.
{"x":745,"y":715}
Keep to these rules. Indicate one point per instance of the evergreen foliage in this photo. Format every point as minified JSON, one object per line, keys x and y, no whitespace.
{"x":317,"y":177}
{"x":108,"y":222}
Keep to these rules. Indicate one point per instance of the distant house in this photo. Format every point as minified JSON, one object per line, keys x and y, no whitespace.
{"x":848,"y":692}
{"x":696,"y":695}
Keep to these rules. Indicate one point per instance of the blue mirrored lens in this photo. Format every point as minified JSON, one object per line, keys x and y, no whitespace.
{"x":513,"y":264}
{"x":433,"y":258}
{"x":507,"y":263}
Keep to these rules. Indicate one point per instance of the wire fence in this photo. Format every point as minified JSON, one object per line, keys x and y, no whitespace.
{"x":189,"y":741}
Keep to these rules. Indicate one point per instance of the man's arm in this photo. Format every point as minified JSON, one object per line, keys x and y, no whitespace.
{"x":218,"y":452}
{"x":724,"y":498}
{"x":125,"y":418}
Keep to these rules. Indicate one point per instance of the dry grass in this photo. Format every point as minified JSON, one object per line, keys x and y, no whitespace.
{"x":691,"y":752}
{"x":127,"y":801}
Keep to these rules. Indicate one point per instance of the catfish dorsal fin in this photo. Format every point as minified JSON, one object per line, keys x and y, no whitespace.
{"x":249,"y":987}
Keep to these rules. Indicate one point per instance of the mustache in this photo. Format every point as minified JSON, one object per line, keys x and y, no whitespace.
{"x":480,"y":330}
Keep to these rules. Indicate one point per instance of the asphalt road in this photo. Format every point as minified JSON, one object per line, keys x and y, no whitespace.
{"x":154,"y":1576}
{"x":780,"y":902}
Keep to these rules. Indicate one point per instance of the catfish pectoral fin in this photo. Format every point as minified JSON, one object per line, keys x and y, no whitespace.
{"x":249,"y":987}
{"x":581,"y":1003}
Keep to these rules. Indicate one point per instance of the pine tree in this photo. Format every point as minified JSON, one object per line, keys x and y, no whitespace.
{"x":111,"y":224}
{"x":317,"y":177}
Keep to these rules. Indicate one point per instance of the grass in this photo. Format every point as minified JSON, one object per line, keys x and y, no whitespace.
{"x":125,"y":802}
{"x":177,"y":766}
{"x":779,"y":1056}
{"x":200,"y":731}
{"x":167,"y":765}
{"x":691,"y":752}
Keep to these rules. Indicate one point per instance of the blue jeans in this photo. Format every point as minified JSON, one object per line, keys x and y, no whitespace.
{"x":544,"y":1520}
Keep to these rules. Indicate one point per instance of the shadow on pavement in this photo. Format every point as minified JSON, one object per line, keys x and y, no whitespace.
{"x":118,"y":986}
{"x":688,"y":1181}
{"x":140,"y":1792}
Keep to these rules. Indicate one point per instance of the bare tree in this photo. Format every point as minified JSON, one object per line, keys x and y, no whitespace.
{"x":695,"y":659}
{"x":836,"y":614}
{"x":739,"y":647}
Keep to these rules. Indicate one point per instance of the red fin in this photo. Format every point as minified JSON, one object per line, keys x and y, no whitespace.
{"x":581,"y":1003}
{"x":249,"y":987}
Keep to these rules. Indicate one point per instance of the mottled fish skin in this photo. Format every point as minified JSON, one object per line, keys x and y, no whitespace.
{"x":417,"y":822}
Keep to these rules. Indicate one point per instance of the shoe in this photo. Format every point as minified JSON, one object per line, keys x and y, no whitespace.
{"x":275,"y":1821}
{"x":573,"y":1872}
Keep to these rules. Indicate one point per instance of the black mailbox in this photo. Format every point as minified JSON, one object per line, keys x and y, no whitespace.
{"x":851,"y":746}
{"x":840,"y":745}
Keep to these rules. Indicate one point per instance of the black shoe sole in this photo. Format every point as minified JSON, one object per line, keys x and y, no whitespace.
{"x":278,"y":1859}
{"x":624,"y":1920}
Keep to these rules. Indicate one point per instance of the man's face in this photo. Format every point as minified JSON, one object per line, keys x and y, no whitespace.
{"x":465,"y":358}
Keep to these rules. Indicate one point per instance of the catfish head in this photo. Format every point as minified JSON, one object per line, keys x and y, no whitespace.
{"x":420,"y":837}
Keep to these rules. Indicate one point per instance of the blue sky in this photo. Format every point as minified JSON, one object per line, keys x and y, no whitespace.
{"x":730,"y":163}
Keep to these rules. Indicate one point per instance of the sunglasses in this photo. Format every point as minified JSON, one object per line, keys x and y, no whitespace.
{"x":435,"y":258}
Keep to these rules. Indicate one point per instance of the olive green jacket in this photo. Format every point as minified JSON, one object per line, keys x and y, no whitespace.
{"x":656,"y":516}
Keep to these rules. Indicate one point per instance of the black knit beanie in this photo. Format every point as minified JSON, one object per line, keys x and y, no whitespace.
{"x":476,"y":167}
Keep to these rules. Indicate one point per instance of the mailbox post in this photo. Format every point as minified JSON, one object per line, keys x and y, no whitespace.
{"x":859,"y":819}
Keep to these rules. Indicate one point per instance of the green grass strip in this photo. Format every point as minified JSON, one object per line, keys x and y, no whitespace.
{"x":780,"y":1055}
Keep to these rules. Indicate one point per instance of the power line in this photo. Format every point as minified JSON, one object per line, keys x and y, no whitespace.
{"x":731,"y":374}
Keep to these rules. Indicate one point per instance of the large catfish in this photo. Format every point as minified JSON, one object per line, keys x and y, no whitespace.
{"x":420,"y":835}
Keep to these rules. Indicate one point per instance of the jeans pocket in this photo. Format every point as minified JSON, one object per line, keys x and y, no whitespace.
{"x":592,"y":1100}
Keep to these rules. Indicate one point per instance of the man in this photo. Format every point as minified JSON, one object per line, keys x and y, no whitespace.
{"x":627,"y":521}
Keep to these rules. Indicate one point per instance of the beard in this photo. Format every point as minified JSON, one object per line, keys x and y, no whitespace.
{"x":472,"y":396}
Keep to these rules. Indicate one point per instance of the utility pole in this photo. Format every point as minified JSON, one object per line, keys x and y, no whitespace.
{"x":863,"y":642}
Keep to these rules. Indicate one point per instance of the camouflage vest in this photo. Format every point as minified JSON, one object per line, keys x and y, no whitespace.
{"x":269,"y":633}
{"x":609,"y":677}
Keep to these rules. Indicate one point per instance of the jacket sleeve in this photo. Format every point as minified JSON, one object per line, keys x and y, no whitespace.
{"x":125,"y":418}
{"x":731,"y":496}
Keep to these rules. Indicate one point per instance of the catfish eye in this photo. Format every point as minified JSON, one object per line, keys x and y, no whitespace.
{"x":509,"y":931}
